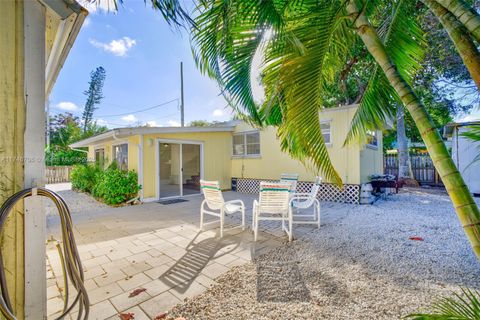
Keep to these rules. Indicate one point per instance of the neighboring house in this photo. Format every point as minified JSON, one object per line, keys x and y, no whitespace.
{"x":35,"y":38}
{"x":170,"y":161}
{"x":464,"y":152}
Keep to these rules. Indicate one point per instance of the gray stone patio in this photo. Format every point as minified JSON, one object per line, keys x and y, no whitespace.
{"x":155,"y":247}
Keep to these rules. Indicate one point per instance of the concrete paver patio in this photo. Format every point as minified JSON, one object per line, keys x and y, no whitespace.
{"x":154,"y":247}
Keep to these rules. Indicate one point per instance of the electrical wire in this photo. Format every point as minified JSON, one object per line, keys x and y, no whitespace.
{"x":69,"y":257}
{"x":139,"y":111}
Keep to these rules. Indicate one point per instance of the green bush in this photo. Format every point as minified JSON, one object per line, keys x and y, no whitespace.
{"x":116,"y":186}
{"x":84,"y":177}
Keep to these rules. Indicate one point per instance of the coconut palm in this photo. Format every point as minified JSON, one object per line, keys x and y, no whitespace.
{"x":465,"y":14}
{"x":301,"y":45}
{"x":461,"y":38}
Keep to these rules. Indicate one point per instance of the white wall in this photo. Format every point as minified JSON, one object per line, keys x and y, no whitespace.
{"x":464,"y":152}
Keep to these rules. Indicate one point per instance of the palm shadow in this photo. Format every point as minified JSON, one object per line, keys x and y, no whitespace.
{"x":184,"y":272}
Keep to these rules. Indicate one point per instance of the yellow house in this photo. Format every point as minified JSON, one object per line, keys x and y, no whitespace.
{"x":170,"y":161}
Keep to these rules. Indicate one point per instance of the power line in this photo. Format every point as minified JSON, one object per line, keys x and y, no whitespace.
{"x":138,"y":111}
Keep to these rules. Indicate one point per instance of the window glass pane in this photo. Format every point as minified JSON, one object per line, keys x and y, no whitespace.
{"x":372,"y":138}
{"x":325,"y":127}
{"x":100,"y":157}
{"x":238,"y":144}
{"x":253,"y":137}
{"x":253,"y":149}
{"x":120,"y":155}
{"x":326,"y":137}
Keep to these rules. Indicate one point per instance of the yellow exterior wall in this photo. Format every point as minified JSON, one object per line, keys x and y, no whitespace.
{"x":12,"y":122}
{"x":216,"y":162}
{"x":273,"y":162}
{"x":371,"y":160}
{"x":354,"y":163}
{"x":132,"y":141}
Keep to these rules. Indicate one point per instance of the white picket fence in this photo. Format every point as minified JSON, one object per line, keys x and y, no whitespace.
{"x":58,"y":174}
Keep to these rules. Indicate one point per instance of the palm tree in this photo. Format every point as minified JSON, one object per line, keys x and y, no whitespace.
{"x":301,"y":45}
{"x":465,"y":14}
{"x":461,"y":38}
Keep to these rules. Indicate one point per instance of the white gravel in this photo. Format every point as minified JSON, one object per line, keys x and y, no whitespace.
{"x":359,"y":265}
{"x":77,"y":202}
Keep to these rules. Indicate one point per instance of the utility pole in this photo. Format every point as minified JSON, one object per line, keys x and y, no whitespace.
{"x":182,"y":103}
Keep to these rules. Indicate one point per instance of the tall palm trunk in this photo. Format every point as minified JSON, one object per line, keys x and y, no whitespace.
{"x":460,"y":37}
{"x":465,"y":14}
{"x":465,"y":207}
{"x":404,"y":164}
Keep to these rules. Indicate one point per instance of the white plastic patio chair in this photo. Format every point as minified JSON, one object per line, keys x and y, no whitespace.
{"x":292,"y":178}
{"x":273,"y":204}
{"x":303,"y":201}
{"x":215,"y":205}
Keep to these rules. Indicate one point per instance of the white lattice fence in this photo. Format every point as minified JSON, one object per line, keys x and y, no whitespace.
{"x":328,"y":192}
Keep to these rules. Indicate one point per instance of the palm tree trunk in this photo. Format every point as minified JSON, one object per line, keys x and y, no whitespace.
{"x":404,"y":164}
{"x":460,"y":37}
{"x":465,"y":207}
{"x":465,"y":14}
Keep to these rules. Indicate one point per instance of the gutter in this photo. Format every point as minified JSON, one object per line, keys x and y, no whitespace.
{"x":67,"y":32}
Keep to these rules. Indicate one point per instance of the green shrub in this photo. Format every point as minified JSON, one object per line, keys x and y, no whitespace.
{"x":116,"y":186}
{"x":84,"y":177}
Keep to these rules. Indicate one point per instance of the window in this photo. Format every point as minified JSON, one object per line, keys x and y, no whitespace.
{"x":100,"y":157}
{"x":326,"y":131}
{"x":120,"y":156}
{"x":246,"y":144}
{"x":372,"y":139}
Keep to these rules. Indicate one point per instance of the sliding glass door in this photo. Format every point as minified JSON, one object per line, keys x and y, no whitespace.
{"x":179,"y":169}
{"x":191,"y":169}
{"x":170,"y":185}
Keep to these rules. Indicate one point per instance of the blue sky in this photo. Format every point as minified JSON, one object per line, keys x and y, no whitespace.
{"x":141,"y":55}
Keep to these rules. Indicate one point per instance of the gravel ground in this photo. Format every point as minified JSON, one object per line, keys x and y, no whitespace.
{"x":77,"y":202}
{"x":359,"y":265}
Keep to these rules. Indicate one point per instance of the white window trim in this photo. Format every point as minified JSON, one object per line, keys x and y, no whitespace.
{"x":244,"y":134}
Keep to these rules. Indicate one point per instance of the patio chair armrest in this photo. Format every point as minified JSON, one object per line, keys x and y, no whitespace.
{"x":302,"y":194}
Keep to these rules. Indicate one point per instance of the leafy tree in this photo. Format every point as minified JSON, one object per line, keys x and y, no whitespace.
{"x":65,"y":129}
{"x":94,"y":95}
{"x":304,"y":44}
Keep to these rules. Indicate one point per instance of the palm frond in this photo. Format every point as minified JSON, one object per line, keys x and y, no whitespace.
{"x":294,"y":39}
{"x":465,"y":306}
{"x":405,"y":44}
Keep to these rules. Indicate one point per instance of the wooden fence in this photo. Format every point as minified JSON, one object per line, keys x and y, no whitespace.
{"x":422,"y":167}
{"x":58,"y":174}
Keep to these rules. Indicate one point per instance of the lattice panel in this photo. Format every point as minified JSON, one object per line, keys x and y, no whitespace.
{"x":327,"y":192}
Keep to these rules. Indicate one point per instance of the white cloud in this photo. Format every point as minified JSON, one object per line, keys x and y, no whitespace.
{"x":218,"y":113}
{"x":67,"y":106}
{"x":152,"y":123}
{"x":470,"y":117}
{"x":101,"y":122}
{"x":86,"y":22}
{"x":99,"y":5}
{"x":129,"y":118}
{"x":118,"y":47}
{"x":173,"y":123}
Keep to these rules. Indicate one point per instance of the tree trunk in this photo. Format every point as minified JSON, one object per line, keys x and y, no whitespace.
{"x":460,"y":37}
{"x":465,"y":207}
{"x":404,"y":164}
{"x":465,"y":14}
